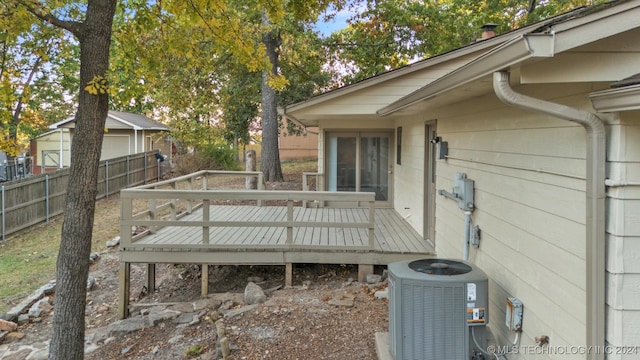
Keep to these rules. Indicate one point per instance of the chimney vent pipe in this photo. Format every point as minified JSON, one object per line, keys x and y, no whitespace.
{"x":489,"y":30}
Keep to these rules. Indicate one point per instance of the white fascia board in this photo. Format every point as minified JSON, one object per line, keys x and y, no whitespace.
{"x":512,"y":52}
{"x":599,"y":25}
{"x":614,"y":100}
{"x":56,"y":125}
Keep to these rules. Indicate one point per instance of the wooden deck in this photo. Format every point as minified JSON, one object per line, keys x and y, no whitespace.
{"x":256,"y":227}
{"x":393,"y":237}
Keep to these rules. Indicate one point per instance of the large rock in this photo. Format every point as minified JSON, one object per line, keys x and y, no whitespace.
{"x":7,"y":325}
{"x":253,"y":294}
{"x":40,"y":307}
{"x":25,"y":304}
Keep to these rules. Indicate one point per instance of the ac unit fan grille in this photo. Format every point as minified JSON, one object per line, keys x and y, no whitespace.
{"x":439,"y":267}
{"x":433,"y":313}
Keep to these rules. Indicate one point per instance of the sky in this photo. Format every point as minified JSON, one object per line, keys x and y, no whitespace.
{"x":337,"y":23}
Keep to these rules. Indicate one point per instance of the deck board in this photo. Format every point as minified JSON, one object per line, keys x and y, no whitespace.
{"x":392,"y":235}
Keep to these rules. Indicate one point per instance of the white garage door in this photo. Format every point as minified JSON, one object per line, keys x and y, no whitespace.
{"x":114,"y":146}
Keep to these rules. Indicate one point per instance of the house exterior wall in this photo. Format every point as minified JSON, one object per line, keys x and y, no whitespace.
{"x":409,"y":175}
{"x":368,"y":100}
{"x":529,"y":173}
{"x":298,"y":147}
{"x":623,"y":234}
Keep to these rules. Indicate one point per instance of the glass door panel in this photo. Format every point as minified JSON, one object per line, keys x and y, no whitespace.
{"x":374,"y":166}
{"x":341,"y":169}
{"x":359,"y":162}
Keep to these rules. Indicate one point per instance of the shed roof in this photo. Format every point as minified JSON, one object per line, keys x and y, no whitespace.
{"x":135,"y":121}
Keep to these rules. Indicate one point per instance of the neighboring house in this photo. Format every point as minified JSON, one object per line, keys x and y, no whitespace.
{"x":528,"y":116}
{"x":124,"y":134}
{"x":298,"y":147}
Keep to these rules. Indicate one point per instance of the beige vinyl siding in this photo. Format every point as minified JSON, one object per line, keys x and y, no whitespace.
{"x":529,"y":174}
{"x":623,"y":234}
{"x":368,"y":100}
{"x":50,"y":143}
{"x":409,"y":177}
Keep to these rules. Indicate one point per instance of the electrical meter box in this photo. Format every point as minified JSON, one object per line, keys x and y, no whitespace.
{"x":514,"y":314}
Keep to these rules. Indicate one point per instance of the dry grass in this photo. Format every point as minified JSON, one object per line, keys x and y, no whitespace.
{"x":28,"y":259}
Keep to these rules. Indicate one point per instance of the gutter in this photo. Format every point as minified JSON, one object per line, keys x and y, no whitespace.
{"x":595,"y":200}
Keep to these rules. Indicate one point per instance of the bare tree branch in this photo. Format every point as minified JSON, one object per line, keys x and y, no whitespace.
{"x":34,"y":8}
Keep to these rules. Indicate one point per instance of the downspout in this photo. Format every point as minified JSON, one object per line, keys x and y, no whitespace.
{"x":595,"y":200}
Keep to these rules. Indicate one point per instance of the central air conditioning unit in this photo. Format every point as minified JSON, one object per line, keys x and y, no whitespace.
{"x":438,"y":310}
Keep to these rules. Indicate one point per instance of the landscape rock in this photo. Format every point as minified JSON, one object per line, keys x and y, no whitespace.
{"x":14,"y":336}
{"x":23,"y":319}
{"x":374,"y":278}
{"x":93,"y":257}
{"x":208,"y":303}
{"x":235,"y":312}
{"x":253,"y":294}
{"x":7,"y":325}
{"x":40,"y":307}
{"x":381,"y":294}
{"x":39,"y":354}
{"x":91,"y":281}
{"x":182,"y":307}
{"x":187,"y":318}
{"x":18,"y":355}
{"x":343,"y":300}
{"x":45,"y":290}
{"x":113,"y":243}
{"x":255,"y":279}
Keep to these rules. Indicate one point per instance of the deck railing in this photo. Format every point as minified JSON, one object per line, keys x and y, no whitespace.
{"x":164,"y":204}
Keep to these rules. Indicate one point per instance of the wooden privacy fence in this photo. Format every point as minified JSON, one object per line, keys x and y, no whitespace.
{"x":26,"y":202}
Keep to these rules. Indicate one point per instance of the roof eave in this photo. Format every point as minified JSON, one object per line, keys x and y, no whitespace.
{"x":616,"y":100}
{"x":516,"y":50}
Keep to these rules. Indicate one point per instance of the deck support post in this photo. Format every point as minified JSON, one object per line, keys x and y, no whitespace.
{"x":204,"y":291}
{"x":151,"y":278}
{"x":288,"y":274}
{"x":363,"y":271}
{"x":124,"y":289}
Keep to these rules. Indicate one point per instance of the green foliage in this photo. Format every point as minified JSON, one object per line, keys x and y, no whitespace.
{"x":391,"y":33}
{"x":193,"y":351}
{"x":219,"y":156}
{"x":32,"y":75}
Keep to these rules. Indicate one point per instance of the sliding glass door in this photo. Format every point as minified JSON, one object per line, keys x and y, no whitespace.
{"x":359,"y":161}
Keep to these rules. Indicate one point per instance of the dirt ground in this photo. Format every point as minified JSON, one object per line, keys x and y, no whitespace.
{"x":302,"y":322}
{"x":295,"y":323}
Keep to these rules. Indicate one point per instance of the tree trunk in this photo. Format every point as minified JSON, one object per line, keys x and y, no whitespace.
{"x":270,"y":158}
{"x":94,"y":35}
